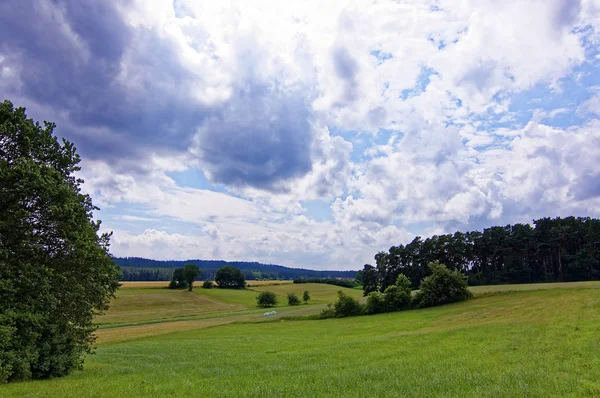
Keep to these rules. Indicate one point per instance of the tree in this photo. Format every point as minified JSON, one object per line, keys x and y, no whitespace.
{"x":293,"y":299}
{"x":306,"y":297}
{"x":207,"y":284}
{"x":346,"y":305}
{"x":370,"y":279}
{"x":230,"y":277}
{"x":178,"y":279}
{"x":190,"y":272}
{"x":442,"y":287}
{"x":375,"y":303}
{"x":266,"y":299}
{"x":56,"y":272}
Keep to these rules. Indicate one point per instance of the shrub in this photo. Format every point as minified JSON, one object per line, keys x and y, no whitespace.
{"x":396,"y":299}
{"x":293,"y":299}
{"x":346,"y":305}
{"x":328,"y":312}
{"x":207,"y":284}
{"x":266,"y":299}
{"x":375,"y":303}
{"x":442,"y":287}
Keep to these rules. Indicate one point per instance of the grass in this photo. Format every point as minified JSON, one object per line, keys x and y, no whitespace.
{"x":320,"y":293}
{"x":537,"y":343}
{"x":133,"y":305}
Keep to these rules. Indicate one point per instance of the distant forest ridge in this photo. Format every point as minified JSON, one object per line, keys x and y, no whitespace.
{"x":143,"y":269}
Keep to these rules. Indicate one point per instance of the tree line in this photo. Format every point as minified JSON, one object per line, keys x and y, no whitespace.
{"x":251,"y":270}
{"x":550,"y":250}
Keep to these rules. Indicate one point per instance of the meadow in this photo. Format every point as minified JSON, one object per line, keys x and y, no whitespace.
{"x":522,"y":340}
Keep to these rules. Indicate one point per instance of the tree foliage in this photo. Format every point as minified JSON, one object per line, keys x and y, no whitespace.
{"x":346,"y":305}
{"x":190,"y":273}
{"x":230,"y":277}
{"x":266,"y":299}
{"x":305,"y":297}
{"x":178,"y":279}
{"x":293,"y":299}
{"x":55,"y":269}
{"x":550,"y":250}
{"x":442,"y":287}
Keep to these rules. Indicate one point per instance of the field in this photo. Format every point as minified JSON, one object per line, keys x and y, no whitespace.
{"x":520,"y":340}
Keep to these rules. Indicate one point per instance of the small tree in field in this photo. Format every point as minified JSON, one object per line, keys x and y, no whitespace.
{"x":190,"y":272}
{"x":266,"y":299}
{"x":207,"y":284}
{"x":442,"y":287}
{"x":293,"y":299}
{"x":306,"y":297}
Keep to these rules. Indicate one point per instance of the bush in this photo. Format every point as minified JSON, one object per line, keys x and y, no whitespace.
{"x":207,"y":284}
{"x":375,"y":303}
{"x":442,"y":287}
{"x":396,"y":299}
{"x":266,"y":299}
{"x":293,"y":299}
{"x":346,"y":305}
{"x":328,"y":312}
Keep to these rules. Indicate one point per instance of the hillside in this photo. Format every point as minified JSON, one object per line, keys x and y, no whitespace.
{"x":137,"y":268}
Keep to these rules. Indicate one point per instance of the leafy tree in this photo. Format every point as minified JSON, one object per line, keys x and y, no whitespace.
{"x":375,"y":303}
{"x":293,"y":299}
{"x":346,"y":305}
{"x":178,"y":279}
{"x":55,"y":269}
{"x":230,"y":277}
{"x":442,"y":287}
{"x":396,"y":298}
{"x":190,"y":272}
{"x":306,"y":297}
{"x":266,"y":299}
{"x":207,"y":284}
{"x":370,"y":279}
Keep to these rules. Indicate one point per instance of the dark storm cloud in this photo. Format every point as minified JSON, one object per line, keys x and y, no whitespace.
{"x":69,"y":57}
{"x":262,"y":136}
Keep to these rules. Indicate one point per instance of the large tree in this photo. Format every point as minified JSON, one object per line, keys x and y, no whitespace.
{"x":55,"y":269}
{"x":230,"y":277}
{"x":190,"y":273}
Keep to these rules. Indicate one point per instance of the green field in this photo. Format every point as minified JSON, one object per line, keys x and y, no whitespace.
{"x":539,"y":341}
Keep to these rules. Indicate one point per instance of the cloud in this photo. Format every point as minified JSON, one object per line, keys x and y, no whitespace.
{"x":397,"y":118}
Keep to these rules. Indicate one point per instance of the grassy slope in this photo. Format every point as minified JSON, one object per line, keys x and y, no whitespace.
{"x":528,"y":343}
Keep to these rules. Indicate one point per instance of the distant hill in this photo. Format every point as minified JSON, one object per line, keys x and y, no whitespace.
{"x":136,"y":268}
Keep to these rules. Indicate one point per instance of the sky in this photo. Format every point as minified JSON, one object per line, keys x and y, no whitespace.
{"x":313,"y":134}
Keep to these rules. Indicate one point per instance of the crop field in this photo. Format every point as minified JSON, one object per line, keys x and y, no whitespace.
{"x":523,"y":340}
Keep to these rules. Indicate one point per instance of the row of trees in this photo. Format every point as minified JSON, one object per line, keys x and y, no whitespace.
{"x":550,"y":250}
{"x":228,"y":277}
{"x":442,"y":286}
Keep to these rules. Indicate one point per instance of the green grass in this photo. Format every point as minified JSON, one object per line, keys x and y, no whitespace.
{"x":320,"y":293}
{"x":535,"y":343}
{"x":139,"y":305}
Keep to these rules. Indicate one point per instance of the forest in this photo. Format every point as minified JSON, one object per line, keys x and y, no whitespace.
{"x":549,"y":250}
{"x":142,"y":269}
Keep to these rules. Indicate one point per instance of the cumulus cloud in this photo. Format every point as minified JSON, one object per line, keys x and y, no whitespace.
{"x":398,"y":118}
